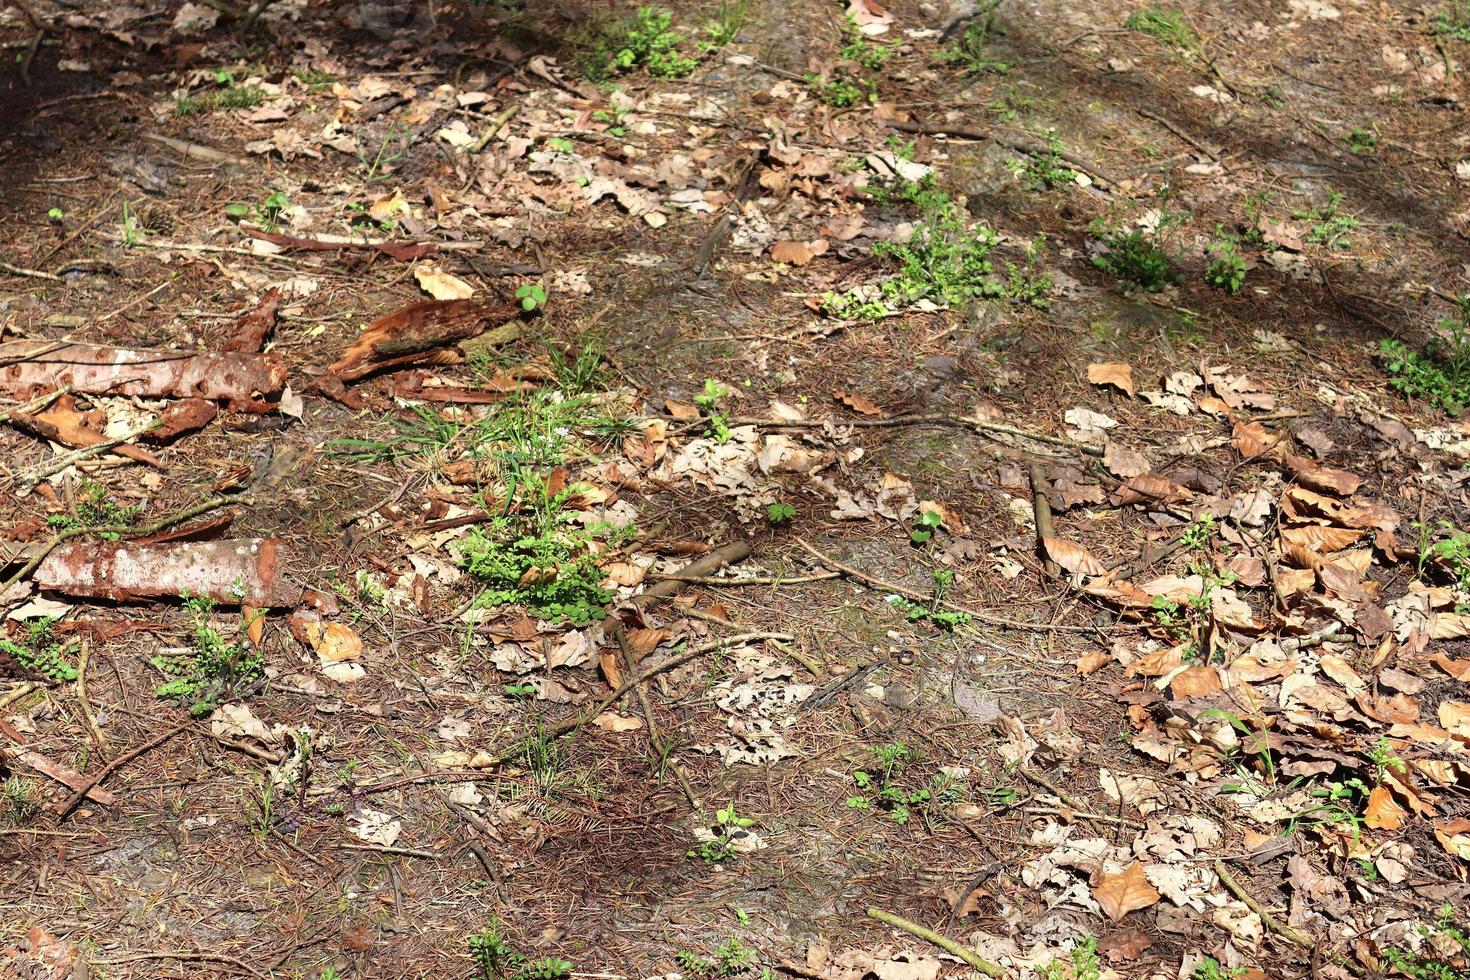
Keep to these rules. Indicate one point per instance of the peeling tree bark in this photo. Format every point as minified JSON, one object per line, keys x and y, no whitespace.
{"x":242,"y":570}
{"x":248,"y":381}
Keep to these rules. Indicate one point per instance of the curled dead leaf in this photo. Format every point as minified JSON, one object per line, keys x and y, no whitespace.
{"x":1120,"y":376}
{"x":798,"y":253}
{"x":861,"y":404}
{"x":1124,"y":892}
{"x":1073,"y":557}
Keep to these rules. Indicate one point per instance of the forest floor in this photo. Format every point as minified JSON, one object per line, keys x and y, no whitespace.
{"x":662,"y":498}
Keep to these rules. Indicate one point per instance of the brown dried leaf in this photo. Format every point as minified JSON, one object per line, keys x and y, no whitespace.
{"x":1125,"y":463}
{"x":1383,"y":811}
{"x":1252,"y":439}
{"x":1127,"y":891}
{"x":1092,"y":662}
{"x":1073,"y":557}
{"x":1454,"y":836}
{"x":798,"y":253}
{"x":861,"y":404}
{"x":1195,"y":682}
{"x":1458,"y":669}
{"x":1118,"y":375}
{"x":1322,"y":540}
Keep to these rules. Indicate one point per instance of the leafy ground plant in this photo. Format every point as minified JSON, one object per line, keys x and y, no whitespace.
{"x":210,"y":671}
{"x":1224,"y":265}
{"x":1134,"y":257}
{"x":729,"y":959}
{"x":885,"y":788}
{"x":95,"y":507}
{"x":861,"y":50}
{"x":728,"y":827}
{"x":41,"y":652}
{"x":1455,"y":21}
{"x":1443,"y":955}
{"x":1330,"y":226}
{"x":1440,"y":373}
{"x":495,"y":959}
{"x":1080,"y":964}
{"x":651,"y":44}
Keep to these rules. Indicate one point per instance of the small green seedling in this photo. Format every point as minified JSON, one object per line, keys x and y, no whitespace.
{"x":652,"y":45}
{"x":970,"y":50}
{"x":1043,"y":171}
{"x":267,"y":213}
{"x":729,"y":827}
{"x":1080,"y":964}
{"x":1362,"y":140}
{"x":131,"y":228}
{"x":520,"y":691}
{"x":708,"y":401}
{"x":1330,"y":225}
{"x":95,"y":508}
{"x":55,"y":215}
{"x":881,"y":789}
{"x":211,"y":671}
{"x":779,"y":513}
{"x":860,"y":50}
{"x":1225,"y":266}
{"x":926,"y":524}
{"x":1454,"y":23}
{"x":613,"y":116}
{"x":532,"y":296}
{"x":41,"y":652}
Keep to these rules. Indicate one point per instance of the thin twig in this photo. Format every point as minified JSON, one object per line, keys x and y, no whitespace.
{"x":495,"y":126}
{"x":1270,"y":921}
{"x":753,"y":580}
{"x":34,"y":405}
{"x":979,"y":425}
{"x":1041,"y":508}
{"x":83,"y":658}
{"x":1073,"y":804}
{"x":16,"y":270}
{"x":943,"y":942}
{"x":662,"y":750}
{"x":76,"y":798}
{"x":56,"y":464}
{"x":978,"y":615}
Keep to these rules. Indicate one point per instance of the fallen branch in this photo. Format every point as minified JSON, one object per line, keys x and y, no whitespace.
{"x":979,"y":425}
{"x":979,"y":615}
{"x":717,"y":235}
{"x":699,"y":568}
{"x":1029,"y":147}
{"x":943,"y":942}
{"x":196,"y":151}
{"x":232,"y":571}
{"x":65,"y":810}
{"x":1270,"y":921}
{"x":245,"y":380}
{"x":1075,"y":805}
{"x":38,"y":555}
{"x":1041,"y":508}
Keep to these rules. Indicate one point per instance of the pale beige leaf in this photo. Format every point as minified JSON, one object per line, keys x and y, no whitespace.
{"x":1073,"y":557}
{"x":798,"y":253}
{"x":611,"y":721}
{"x":334,"y":642}
{"x":1454,"y":836}
{"x":440,"y":284}
{"x":1120,"y":376}
{"x":1455,"y":717}
{"x":1322,"y":540}
{"x":1127,"y":891}
{"x":1125,"y":463}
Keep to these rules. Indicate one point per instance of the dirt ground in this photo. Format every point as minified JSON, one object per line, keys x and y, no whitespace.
{"x":1103,"y":630}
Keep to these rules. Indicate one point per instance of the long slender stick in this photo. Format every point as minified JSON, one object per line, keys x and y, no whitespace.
{"x":76,"y":798}
{"x":979,"y":425}
{"x":977,"y":614}
{"x":943,"y":942}
{"x":83,"y":660}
